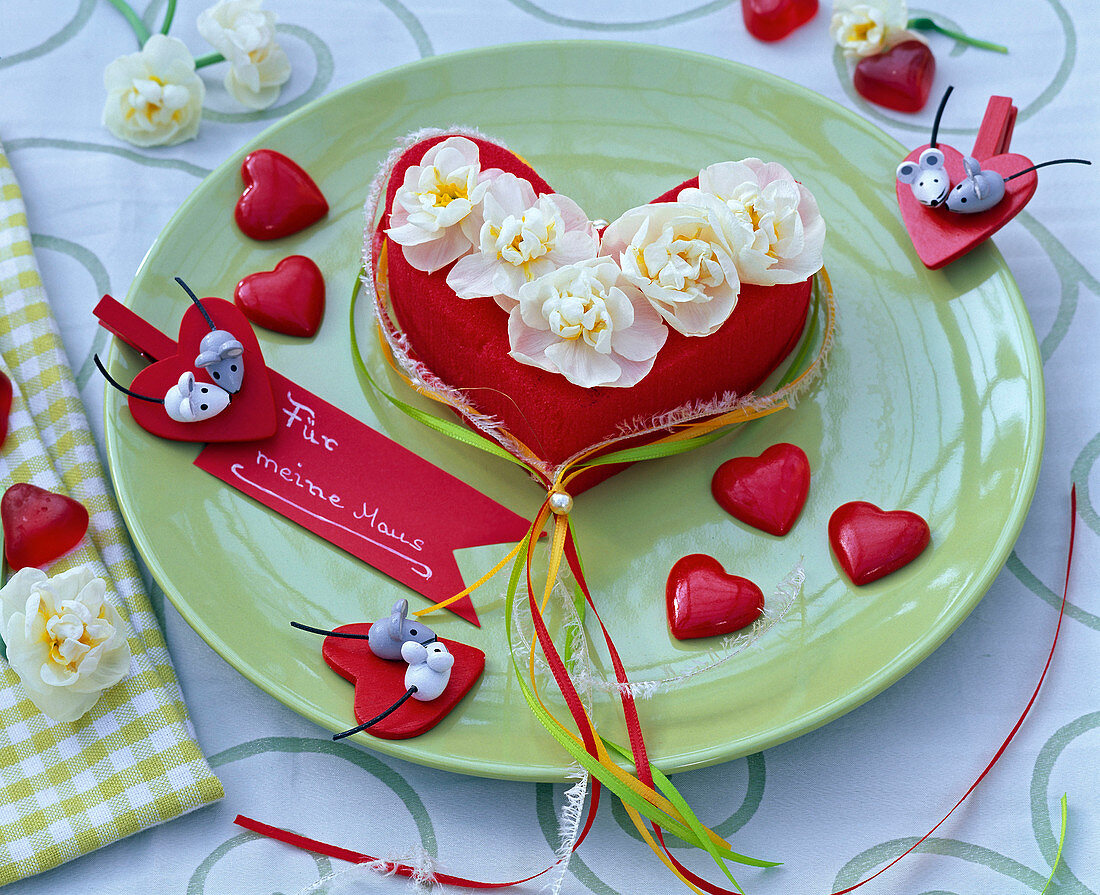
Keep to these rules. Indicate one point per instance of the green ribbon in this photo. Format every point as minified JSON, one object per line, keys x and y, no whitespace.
{"x":1061,"y":842}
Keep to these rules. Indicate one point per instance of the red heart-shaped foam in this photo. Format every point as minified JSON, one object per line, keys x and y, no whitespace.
{"x":5,"y":405}
{"x":251,"y":413}
{"x":279,"y":197}
{"x":289,"y":299}
{"x":871,"y":543}
{"x":766,"y":492}
{"x":702,"y":600}
{"x":379,"y":683}
{"x":465,"y":344}
{"x":899,"y":78}
{"x":39,"y":526}
{"x":940,"y":236}
{"x":774,"y":19}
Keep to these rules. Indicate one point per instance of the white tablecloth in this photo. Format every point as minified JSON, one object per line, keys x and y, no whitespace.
{"x":834,"y":804}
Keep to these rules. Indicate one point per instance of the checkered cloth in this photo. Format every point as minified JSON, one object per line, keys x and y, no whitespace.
{"x":132,"y":761}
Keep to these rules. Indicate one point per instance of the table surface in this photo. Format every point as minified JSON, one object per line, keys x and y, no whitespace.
{"x":835,"y":804}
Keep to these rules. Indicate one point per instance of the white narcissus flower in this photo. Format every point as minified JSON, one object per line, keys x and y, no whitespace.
{"x":245,"y":35}
{"x":587,"y":322}
{"x":432,"y":215}
{"x":522,"y":237}
{"x":773,"y":222}
{"x":65,"y":640}
{"x":154,"y":97}
{"x":864,"y":29}
{"x":681,"y":259}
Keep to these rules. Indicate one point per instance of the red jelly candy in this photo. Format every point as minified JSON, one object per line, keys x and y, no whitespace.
{"x":870,"y":543}
{"x":775,"y":19}
{"x":39,"y":526}
{"x":766,"y":492}
{"x":289,"y":299}
{"x":702,"y":600}
{"x":279,"y":197}
{"x":900,"y":78}
{"x":5,"y":405}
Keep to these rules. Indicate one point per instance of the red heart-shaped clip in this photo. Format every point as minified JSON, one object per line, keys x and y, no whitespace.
{"x":899,"y":78}
{"x":289,"y":299}
{"x":279,"y":197}
{"x":940,"y":236}
{"x":702,"y":600}
{"x":379,"y":683}
{"x":39,"y":526}
{"x":251,"y":413}
{"x":871,"y":543}
{"x":766,"y":492}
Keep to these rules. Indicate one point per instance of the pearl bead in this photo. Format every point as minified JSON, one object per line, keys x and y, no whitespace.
{"x":560,"y":503}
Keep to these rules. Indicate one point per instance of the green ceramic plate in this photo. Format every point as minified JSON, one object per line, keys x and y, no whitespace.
{"x":932,"y":402}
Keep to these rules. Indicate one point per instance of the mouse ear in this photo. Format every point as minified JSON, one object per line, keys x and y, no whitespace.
{"x":397,"y":617}
{"x":931,"y":158}
{"x":971,"y":166}
{"x":907,"y":172}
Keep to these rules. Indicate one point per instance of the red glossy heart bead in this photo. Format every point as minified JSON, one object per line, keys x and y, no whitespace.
{"x":702,"y":600}
{"x":5,"y":405}
{"x":774,"y":19}
{"x":899,"y":78}
{"x":250,"y":415}
{"x":39,"y":525}
{"x":766,"y":492}
{"x":289,"y":299}
{"x":871,"y":543}
{"x":279,"y":197}
{"x":379,"y":683}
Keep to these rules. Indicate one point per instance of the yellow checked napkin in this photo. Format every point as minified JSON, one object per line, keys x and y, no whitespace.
{"x":132,"y":761}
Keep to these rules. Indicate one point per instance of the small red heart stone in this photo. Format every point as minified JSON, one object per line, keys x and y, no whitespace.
{"x":940,"y":236}
{"x":251,"y":414}
{"x":289,"y":299}
{"x":766,"y":492}
{"x":39,"y":526}
{"x":899,"y":78}
{"x":379,"y":683}
{"x":702,"y":600}
{"x":5,"y":405}
{"x":871,"y":543}
{"x":279,"y":197}
{"x":775,"y":19}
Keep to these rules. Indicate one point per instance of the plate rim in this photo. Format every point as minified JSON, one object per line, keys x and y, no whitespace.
{"x":885,"y":677}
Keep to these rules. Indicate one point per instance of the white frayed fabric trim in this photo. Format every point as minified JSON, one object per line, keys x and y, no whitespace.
{"x":569,"y":827}
{"x":588,"y":682}
{"x":429,"y":383}
{"x":359,"y":877}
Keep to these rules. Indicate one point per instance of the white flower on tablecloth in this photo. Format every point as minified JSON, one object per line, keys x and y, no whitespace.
{"x":154,"y":97}
{"x":244,"y":34}
{"x":433,"y":215}
{"x":64,"y":639}
{"x":680,"y":257}
{"x":522,"y":237}
{"x":773,"y":223}
{"x":864,"y":29}
{"x":587,"y":322}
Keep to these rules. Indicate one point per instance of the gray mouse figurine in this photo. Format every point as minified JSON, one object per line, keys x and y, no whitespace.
{"x":387,"y":635}
{"x":220,"y":352}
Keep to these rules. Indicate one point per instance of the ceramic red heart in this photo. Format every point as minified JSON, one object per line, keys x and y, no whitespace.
{"x":5,"y":405}
{"x":379,"y":683}
{"x":775,"y":19}
{"x":251,"y":413}
{"x":289,"y":299}
{"x":766,"y":492}
{"x":871,"y":543}
{"x":465,"y":344}
{"x":39,"y":526}
{"x":940,"y":236}
{"x":279,"y":197}
{"x":702,"y":600}
{"x":899,"y":78}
